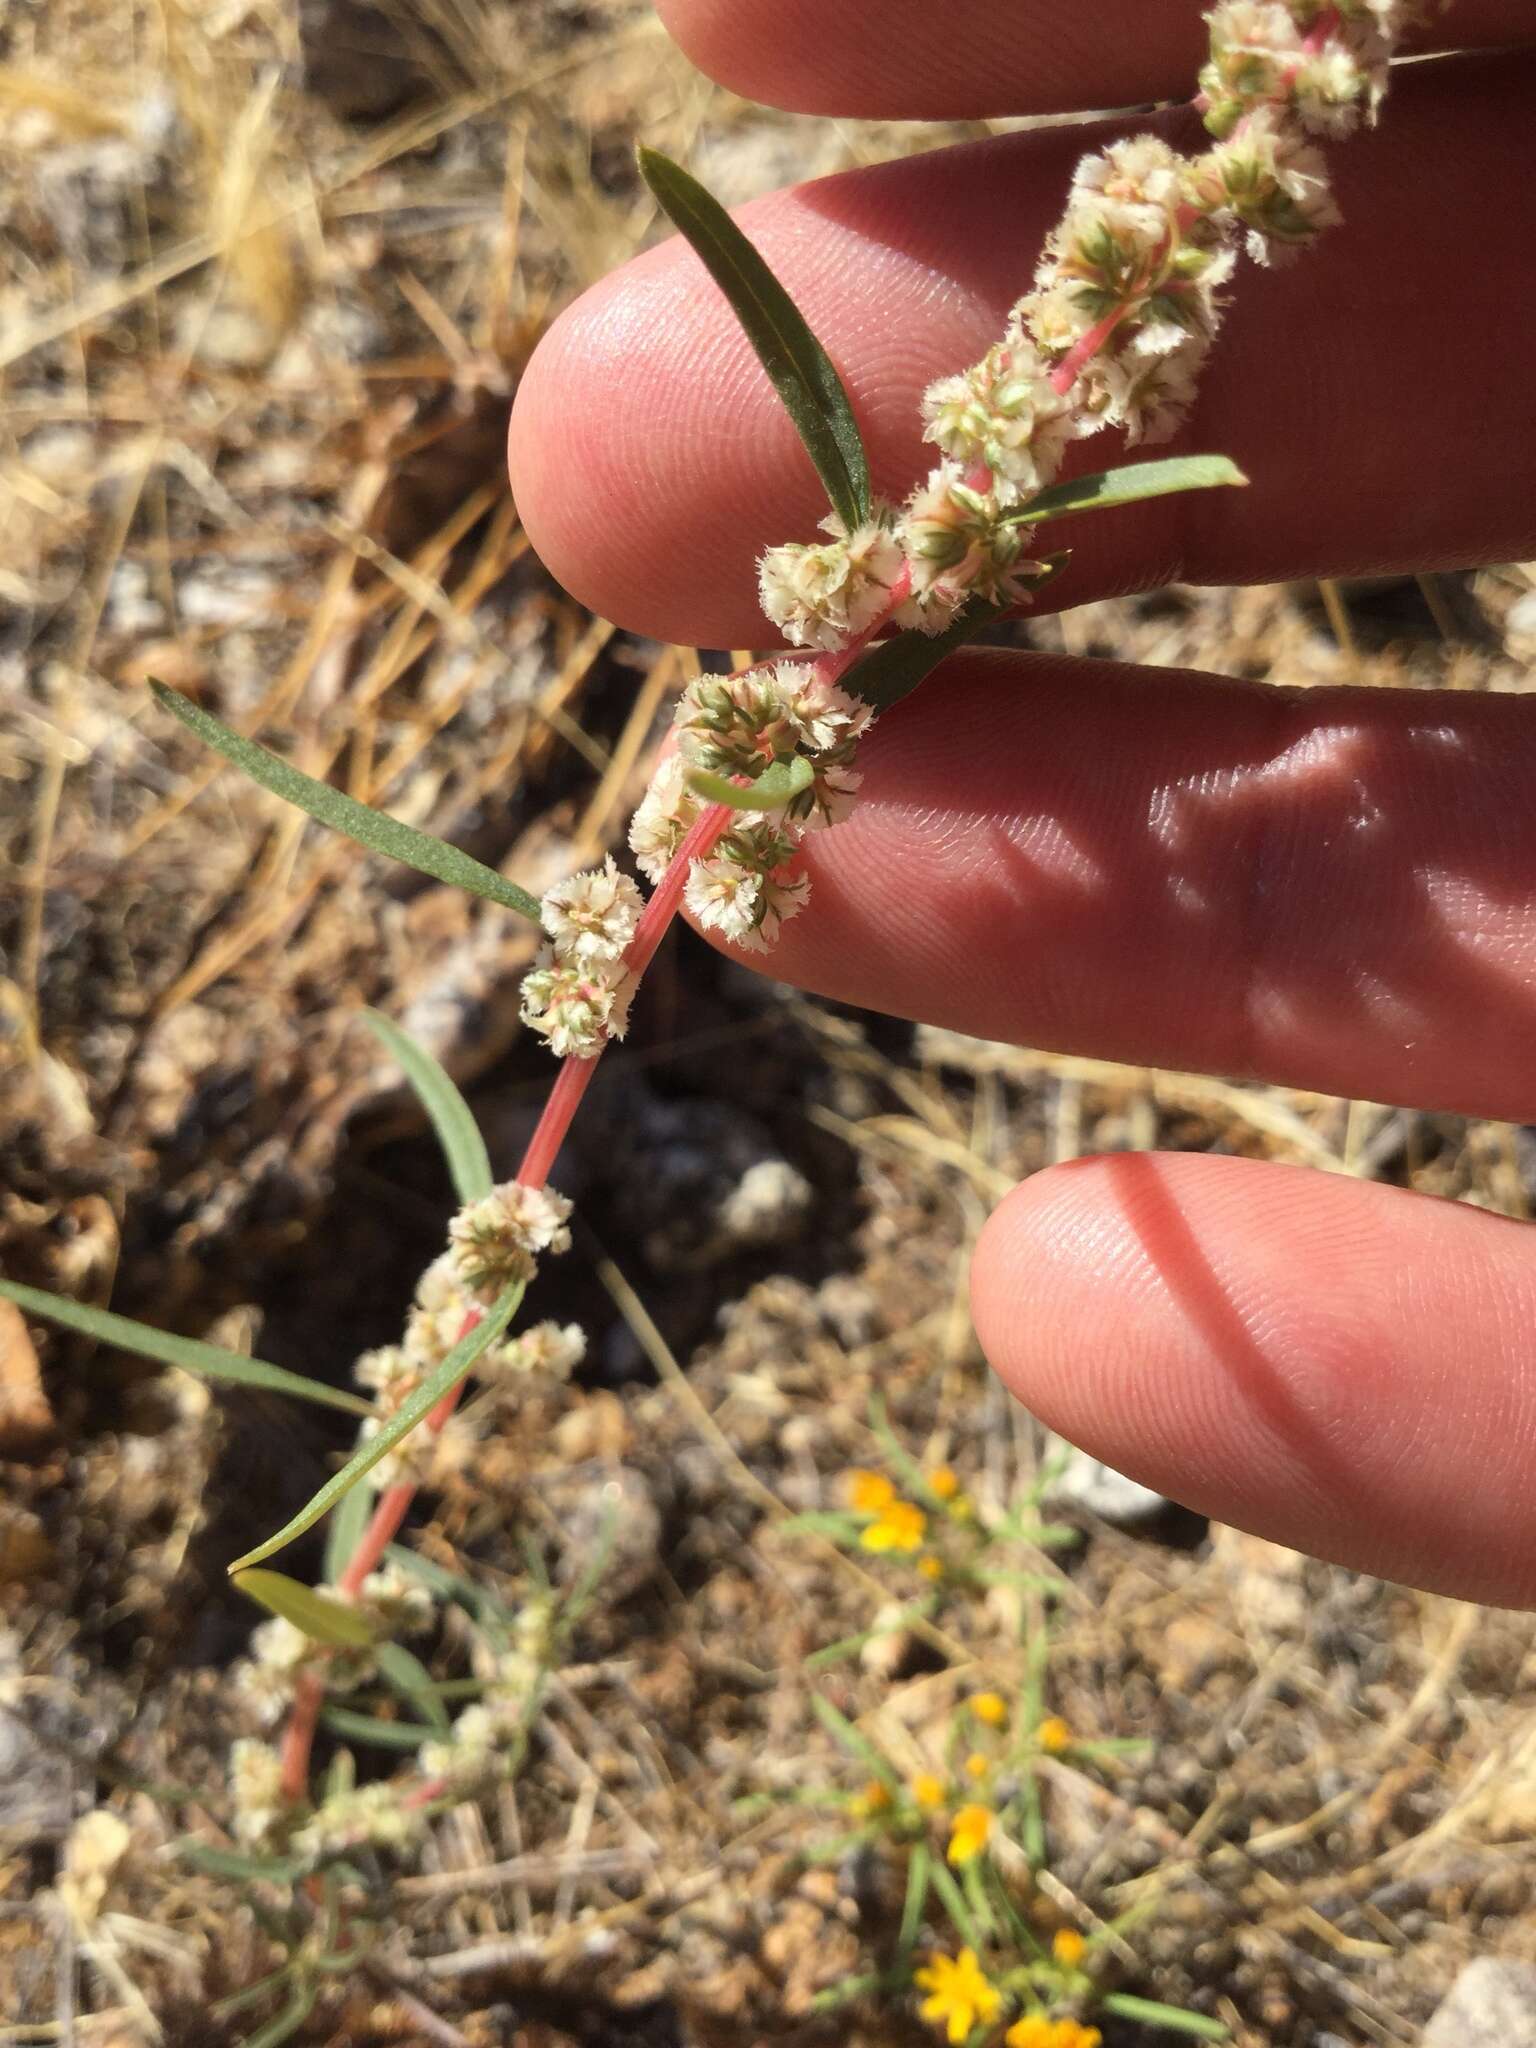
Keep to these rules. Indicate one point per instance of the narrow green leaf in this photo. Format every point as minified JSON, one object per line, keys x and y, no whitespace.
{"x":1129,"y":484}
{"x":858,"y":1744}
{"x":892,"y":669}
{"x":370,"y":1731}
{"x":919,"y":1872}
{"x":288,"y":2021}
{"x":344,"y":814}
{"x":210,"y":1360}
{"x":955,"y":1904}
{"x":345,"y":1531}
{"x":322,"y":1619}
{"x":406,"y":1675}
{"x":230,"y":1863}
{"x":415,"y":1408}
{"x":253,"y":1994}
{"x":469,"y":1164}
{"x":1153,"y":2013}
{"x":776,"y":786}
{"x":802,"y":372}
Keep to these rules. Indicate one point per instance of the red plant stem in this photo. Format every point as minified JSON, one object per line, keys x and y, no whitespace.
{"x":1084,"y":349}
{"x":559,"y":1108}
{"x":571,"y":1083}
{"x":299,"y":1734}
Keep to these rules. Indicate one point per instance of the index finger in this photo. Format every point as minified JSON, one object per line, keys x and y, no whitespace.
{"x":930,"y":60}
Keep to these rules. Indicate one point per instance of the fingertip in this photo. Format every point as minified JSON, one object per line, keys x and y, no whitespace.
{"x":1340,"y":1366}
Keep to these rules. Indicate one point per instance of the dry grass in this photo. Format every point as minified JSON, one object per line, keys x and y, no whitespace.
{"x":262,"y":309}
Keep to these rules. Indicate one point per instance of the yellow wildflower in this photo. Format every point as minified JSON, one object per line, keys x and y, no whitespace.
{"x":990,"y":1707}
{"x":977,"y":1765}
{"x":1053,"y":1735}
{"x":930,"y":1567}
{"x":1033,"y":2031}
{"x":968,"y":1833}
{"x":899,"y":1527}
{"x":1036,"y":2031}
{"x":870,"y":1492}
{"x":943,"y":1484}
{"x":1068,"y":1947}
{"x":875,"y":1798}
{"x":959,"y":1994}
{"x":928,"y":1791}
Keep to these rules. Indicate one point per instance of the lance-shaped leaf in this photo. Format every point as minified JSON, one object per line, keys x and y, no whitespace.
{"x":344,"y":814}
{"x":230,"y":1863}
{"x":321,"y":1618}
{"x":469,"y":1164}
{"x":1129,"y":485}
{"x":210,"y":1361}
{"x":413,"y":1409}
{"x":345,"y":1531}
{"x":410,"y":1678}
{"x":802,"y":372}
{"x":372,"y":1732}
{"x":778,"y":785}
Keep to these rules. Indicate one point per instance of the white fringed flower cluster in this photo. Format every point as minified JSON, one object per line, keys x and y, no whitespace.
{"x":748,"y":885}
{"x":578,"y":992}
{"x":494,"y":1242}
{"x":1114,"y":333}
{"x":465,"y":1760}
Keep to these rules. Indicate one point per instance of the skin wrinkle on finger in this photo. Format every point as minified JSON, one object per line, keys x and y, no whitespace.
{"x":1171,"y":870}
{"x":912,"y":59}
{"x":1336,"y":1365}
{"x":652,"y":462}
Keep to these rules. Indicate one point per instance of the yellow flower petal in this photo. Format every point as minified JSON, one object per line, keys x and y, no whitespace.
{"x":968,"y":1833}
{"x":1068,"y":1947}
{"x":928,"y":1791}
{"x":942,"y":1483}
{"x":899,"y":1527}
{"x":870,"y":1492}
{"x":990,"y":1707}
{"x":1053,"y":1735}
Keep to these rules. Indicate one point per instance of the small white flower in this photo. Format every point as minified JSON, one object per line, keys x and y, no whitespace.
{"x":256,"y":1790}
{"x":1141,"y":170}
{"x":265,"y":1678}
{"x":830,"y":798}
{"x":960,"y":544}
{"x":387,"y":1371}
{"x":1276,"y":185}
{"x":665,"y":813}
{"x":375,"y":1815}
{"x":430,"y":1334}
{"x":553,"y":1350}
{"x":825,"y":594}
{"x":438,"y":1288}
{"x":592,"y":917}
{"x":724,"y":896}
{"x":577,"y":1009}
{"x":1255,"y":48}
{"x":496,"y":1241}
{"x":819,"y":713}
{"x":401,"y":1604}
{"x":1004,"y":413}
{"x":1149,"y":396}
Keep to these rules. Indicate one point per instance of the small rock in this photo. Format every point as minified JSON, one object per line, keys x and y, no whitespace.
{"x":1098,"y":1489}
{"x":1492,"y":2004}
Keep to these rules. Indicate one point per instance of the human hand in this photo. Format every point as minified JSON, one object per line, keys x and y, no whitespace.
{"x":1335,"y":889}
